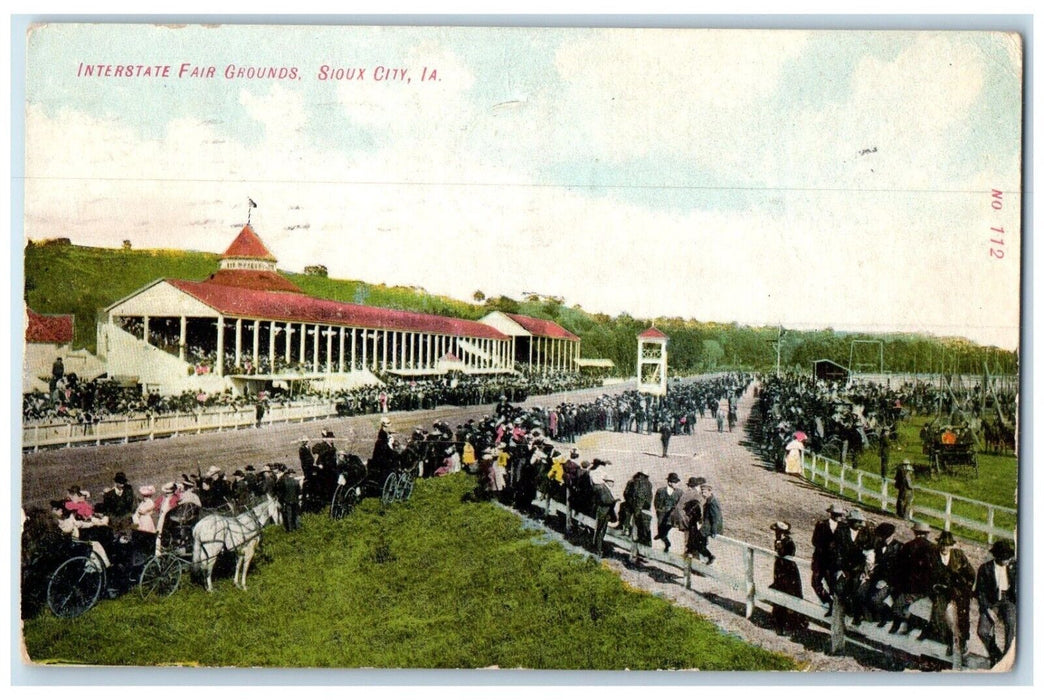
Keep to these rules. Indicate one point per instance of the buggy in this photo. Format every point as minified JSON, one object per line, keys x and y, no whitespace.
{"x":948,"y":448}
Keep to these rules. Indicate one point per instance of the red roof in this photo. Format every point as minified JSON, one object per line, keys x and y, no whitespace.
{"x":652,"y":333}
{"x":253,"y":279}
{"x":248,"y":245}
{"x":542,"y":328}
{"x":48,"y":329}
{"x":291,"y":306}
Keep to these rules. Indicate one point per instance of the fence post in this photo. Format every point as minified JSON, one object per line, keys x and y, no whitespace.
{"x":36,"y":438}
{"x":152,"y":427}
{"x":989,"y":525}
{"x":569,"y":514}
{"x":688,"y":572}
{"x":837,"y":628}
{"x":748,"y":560}
{"x":859,"y":487}
{"x":949,"y":510}
{"x":68,"y":434}
{"x":126,"y":429}
{"x":884,"y":494}
{"x":841,"y":480}
{"x":177,"y":423}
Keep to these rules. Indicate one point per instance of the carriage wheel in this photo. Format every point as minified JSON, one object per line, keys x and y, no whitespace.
{"x":160,"y":577}
{"x":404,"y":489}
{"x":75,"y":586}
{"x":343,"y":502}
{"x":389,"y":488}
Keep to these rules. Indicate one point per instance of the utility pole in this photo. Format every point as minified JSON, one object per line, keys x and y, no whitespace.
{"x":779,"y":346}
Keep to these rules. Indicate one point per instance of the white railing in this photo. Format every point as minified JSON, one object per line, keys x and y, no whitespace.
{"x":149,"y":427}
{"x":871,"y":489}
{"x":748,"y":569}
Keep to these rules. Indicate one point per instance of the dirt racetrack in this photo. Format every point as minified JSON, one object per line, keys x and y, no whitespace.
{"x":752,"y":494}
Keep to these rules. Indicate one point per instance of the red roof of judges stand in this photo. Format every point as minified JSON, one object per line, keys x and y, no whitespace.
{"x":248,"y":245}
{"x":652,"y":333}
{"x":541,"y":327}
{"x":48,"y":329}
{"x":300,"y":308}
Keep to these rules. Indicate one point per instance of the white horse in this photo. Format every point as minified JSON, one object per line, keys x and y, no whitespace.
{"x":214,"y":534}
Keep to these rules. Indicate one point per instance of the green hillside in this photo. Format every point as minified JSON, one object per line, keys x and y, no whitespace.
{"x":65,"y":278}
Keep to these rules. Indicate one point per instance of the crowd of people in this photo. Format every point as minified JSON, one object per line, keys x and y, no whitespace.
{"x":518,"y":454}
{"x":86,"y":402}
{"x":863,"y":571}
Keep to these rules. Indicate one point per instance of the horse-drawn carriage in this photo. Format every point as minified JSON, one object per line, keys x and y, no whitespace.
{"x":391,"y":479}
{"x":949,"y":447}
{"x":193,"y":538}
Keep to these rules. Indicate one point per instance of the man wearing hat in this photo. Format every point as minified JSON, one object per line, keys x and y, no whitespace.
{"x":915,"y":576}
{"x":903,"y":489}
{"x":637,"y":499}
{"x":118,"y":502}
{"x":995,"y":590}
{"x":824,"y":566}
{"x":679,"y":518}
{"x":288,"y":490}
{"x":879,"y":584}
{"x":786,"y":578}
{"x":304,"y":455}
{"x":214,"y":491}
{"x":852,"y":543}
{"x":664,"y":502}
{"x":951,"y":595}
{"x":604,"y":502}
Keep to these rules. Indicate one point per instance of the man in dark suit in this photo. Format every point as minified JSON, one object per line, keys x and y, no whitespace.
{"x":915,"y":575}
{"x":118,"y":502}
{"x":852,"y":541}
{"x":665,"y":434}
{"x":637,"y":499}
{"x":289,"y":493}
{"x":824,"y":567}
{"x":995,"y":591}
{"x":664,"y":501}
{"x":713,"y":524}
{"x":955,"y":584}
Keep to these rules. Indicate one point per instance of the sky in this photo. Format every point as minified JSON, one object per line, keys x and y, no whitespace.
{"x":853,"y":180}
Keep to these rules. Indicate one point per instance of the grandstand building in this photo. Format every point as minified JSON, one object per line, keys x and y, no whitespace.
{"x":247,"y":326}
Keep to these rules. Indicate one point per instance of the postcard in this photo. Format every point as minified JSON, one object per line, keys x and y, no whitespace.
{"x":434,"y":347}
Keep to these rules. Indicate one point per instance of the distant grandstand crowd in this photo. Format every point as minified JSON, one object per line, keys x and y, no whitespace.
{"x":74,"y":400}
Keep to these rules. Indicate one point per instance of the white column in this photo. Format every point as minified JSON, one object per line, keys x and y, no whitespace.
{"x":315,"y":348}
{"x":431,"y":350}
{"x":384,"y":353}
{"x":221,"y":346}
{"x":239,"y":340}
{"x":289,"y":337}
{"x":301,"y":356}
{"x":271,"y":346}
{"x":365,"y":332}
{"x":181,"y":341}
{"x":145,"y":329}
{"x":353,"y":350}
{"x":340,"y":355}
{"x":329,"y":349}
{"x":257,"y":344}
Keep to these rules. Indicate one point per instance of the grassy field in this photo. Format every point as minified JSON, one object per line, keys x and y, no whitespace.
{"x":436,"y":583}
{"x":996,"y":483}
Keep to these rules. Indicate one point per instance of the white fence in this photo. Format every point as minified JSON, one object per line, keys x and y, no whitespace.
{"x":748,"y":569}
{"x":148,"y":427}
{"x":949,"y":509}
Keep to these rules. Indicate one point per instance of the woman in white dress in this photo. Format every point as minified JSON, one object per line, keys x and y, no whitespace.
{"x":795,"y":456}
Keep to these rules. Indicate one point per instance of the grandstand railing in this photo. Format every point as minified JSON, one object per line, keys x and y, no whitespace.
{"x":148,"y":427}
{"x":943,"y":509}
{"x":748,"y":569}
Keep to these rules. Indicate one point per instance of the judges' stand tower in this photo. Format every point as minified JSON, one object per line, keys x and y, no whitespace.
{"x":652,"y":362}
